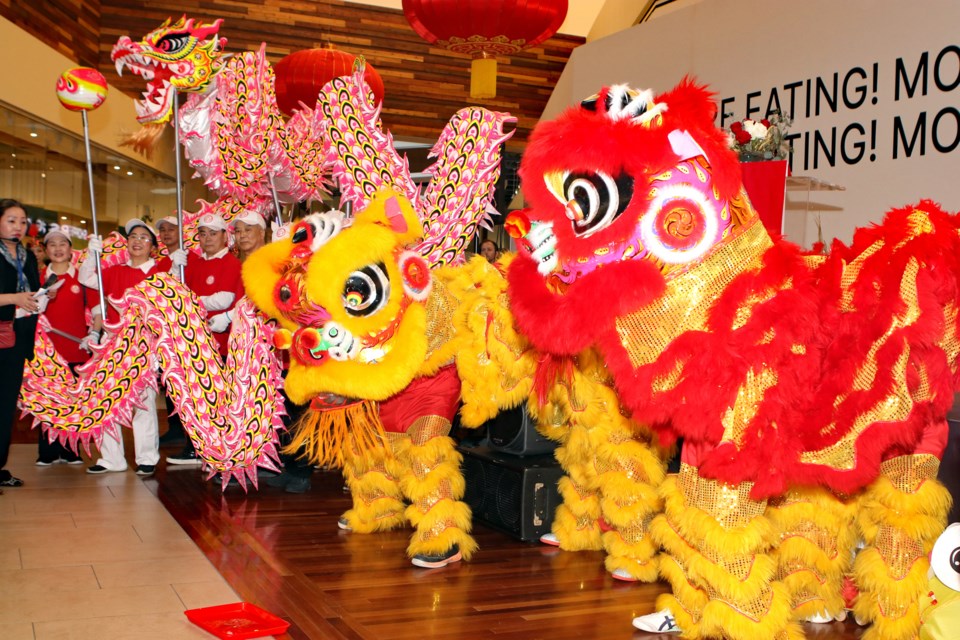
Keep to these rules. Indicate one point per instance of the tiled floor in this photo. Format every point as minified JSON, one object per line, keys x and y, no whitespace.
{"x":84,"y":557}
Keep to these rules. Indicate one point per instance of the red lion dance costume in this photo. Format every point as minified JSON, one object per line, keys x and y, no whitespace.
{"x":810,"y":391}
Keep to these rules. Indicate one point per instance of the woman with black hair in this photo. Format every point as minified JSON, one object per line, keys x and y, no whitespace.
{"x":19,"y":280}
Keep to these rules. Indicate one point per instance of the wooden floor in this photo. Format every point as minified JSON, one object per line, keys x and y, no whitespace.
{"x":285,"y":553}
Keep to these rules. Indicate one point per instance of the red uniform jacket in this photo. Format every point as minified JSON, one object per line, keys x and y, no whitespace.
{"x":67,"y":312}
{"x":206,"y":276}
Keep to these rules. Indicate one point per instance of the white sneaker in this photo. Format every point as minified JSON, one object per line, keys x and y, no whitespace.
{"x":550,"y":539}
{"x":659,"y":622}
{"x":822,"y":617}
{"x":623,"y":575}
{"x":819,"y":618}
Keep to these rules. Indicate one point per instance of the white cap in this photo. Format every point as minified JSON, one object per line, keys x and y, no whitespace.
{"x":250,"y":217}
{"x":136,"y":222}
{"x":57,"y":230}
{"x":171,"y":220}
{"x":212,"y":221}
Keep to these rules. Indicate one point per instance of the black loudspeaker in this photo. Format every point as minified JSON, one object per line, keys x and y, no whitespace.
{"x":513,"y":431}
{"x":515,"y":495}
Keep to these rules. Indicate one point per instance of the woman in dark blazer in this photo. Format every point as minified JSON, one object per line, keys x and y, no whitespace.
{"x":19,"y":278}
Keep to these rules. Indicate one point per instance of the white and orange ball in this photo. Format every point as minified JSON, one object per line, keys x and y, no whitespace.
{"x":81,"y":89}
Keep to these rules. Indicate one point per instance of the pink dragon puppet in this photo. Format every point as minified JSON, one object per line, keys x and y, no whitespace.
{"x":231,"y":129}
{"x":810,"y":391}
{"x":231,"y":410}
{"x":370,"y":308}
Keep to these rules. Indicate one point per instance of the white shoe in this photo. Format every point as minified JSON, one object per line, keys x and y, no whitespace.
{"x":623,"y":575}
{"x":550,"y":539}
{"x":659,"y":622}
{"x":819,"y":618}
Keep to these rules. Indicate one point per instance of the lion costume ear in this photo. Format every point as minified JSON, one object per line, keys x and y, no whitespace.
{"x":389,"y":209}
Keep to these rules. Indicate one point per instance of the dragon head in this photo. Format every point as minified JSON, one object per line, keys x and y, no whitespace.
{"x":181,"y":55}
{"x":626,"y":191}
{"x":347,"y":294}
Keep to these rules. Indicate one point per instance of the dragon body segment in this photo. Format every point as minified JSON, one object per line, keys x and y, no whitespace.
{"x":362,"y":160}
{"x":231,"y":411}
{"x":232,"y":131}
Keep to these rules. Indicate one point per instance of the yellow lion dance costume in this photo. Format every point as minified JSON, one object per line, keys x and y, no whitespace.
{"x":373,"y":335}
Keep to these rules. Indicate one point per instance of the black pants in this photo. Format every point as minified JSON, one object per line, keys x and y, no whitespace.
{"x":295,"y":464}
{"x":11,"y":377}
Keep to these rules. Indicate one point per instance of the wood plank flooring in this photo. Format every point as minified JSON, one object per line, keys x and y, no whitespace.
{"x":285,"y":553}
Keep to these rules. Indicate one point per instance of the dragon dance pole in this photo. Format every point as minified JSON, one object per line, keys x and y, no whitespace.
{"x":276,"y":203}
{"x":176,"y":162}
{"x":84,"y":89}
{"x":66,"y":335}
{"x":93,"y":207}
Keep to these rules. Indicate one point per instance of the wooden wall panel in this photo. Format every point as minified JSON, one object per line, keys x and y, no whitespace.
{"x":72,"y":27}
{"x":424,"y":85}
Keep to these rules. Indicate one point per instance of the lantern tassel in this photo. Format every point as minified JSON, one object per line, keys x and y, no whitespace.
{"x":483,"y":78}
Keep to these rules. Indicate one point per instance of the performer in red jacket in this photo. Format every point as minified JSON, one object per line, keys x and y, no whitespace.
{"x":141,"y":243}
{"x":66,"y":313}
{"x":214,"y":275}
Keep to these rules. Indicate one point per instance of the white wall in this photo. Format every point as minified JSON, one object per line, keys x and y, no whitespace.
{"x":748,"y":49}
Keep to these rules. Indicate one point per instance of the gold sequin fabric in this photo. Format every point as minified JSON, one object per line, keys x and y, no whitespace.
{"x":731,"y":505}
{"x":426,"y":428}
{"x":684,"y":306}
{"x":907,"y":473}
{"x":441,"y":308}
{"x":895,"y":406}
{"x":749,"y":396}
{"x":898,"y":550}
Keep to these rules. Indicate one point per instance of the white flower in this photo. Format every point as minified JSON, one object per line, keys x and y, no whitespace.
{"x":757,"y":130}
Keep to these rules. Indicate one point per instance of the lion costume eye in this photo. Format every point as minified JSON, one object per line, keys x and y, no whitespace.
{"x":366,"y":290}
{"x":593,"y":201}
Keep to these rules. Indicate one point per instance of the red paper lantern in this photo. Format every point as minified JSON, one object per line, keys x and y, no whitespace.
{"x":301,"y":75}
{"x":485,"y":29}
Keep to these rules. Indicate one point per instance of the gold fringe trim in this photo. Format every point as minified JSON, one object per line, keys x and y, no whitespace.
{"x":323,"y":435}
{"x":703,"y":531}
{"x":446,"y":524}
{"x":639,"y":559}
{"x":688,"y":621}
{"x":818,"y":537}
{"x":723,"y":620}
{"x":692,"y":597}
{"x":576,"y":533}
{"x":920,"y":515}
{"x":900,"y":529}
